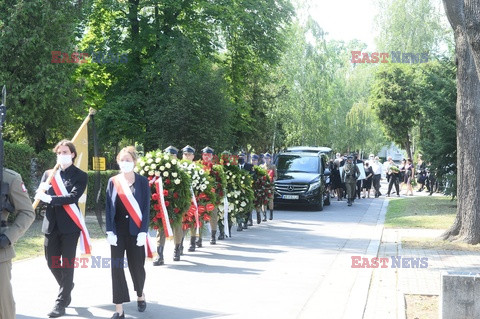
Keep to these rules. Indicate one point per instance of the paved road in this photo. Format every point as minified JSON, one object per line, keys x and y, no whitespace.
{"x":296,"y":266}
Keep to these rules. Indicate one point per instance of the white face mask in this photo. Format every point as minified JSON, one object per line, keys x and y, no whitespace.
{"x":126,"y":167}
{"x":64,"y":159}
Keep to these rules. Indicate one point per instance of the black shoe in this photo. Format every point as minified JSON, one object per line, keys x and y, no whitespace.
{"x":244,"y":225}
{"x":158,"y":261}
{"x":239,"y":227}
{"x":221,"y":236}
{"x":176,"y":253}
{"x":199,"y":242}
{"x":259,"y":219}
{"x":141,"y":305}
{"x":116,"y":315}
{"x":69,"y":298}
{"x":57,"y":311}
{"x":213,"y":239}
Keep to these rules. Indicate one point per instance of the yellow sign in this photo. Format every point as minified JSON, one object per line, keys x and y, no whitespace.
{"x":98,"y":163}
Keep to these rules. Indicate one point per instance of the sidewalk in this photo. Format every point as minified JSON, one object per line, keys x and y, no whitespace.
{"x":388,"y":287}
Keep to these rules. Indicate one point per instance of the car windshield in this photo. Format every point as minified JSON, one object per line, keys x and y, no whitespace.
{"x":297,"y":163}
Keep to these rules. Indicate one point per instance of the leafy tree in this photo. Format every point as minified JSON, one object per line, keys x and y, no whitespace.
{"x":394,"y":98}
{"x":42,"y":101}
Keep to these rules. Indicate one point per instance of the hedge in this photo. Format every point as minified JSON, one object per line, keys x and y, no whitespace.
{"x":18,"y":158}
{"x":91,"y":198}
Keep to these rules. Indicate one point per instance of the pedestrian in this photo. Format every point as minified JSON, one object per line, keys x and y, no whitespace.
{"x":393,"y":173}
{"x":421,"y":173}
{"x":63,"y":222}
{"x":127,"y":214}
{"x":377,"y":175}
{"x":401,"y":175}
{"x":272,"y":172}
{"x":336,"y":180}
{"x":207,"y":162}
{"x":14,"y":199}
{"x":367,"y":182}
{"x":350,"y":175}
{"x":357,"y":161}
{"x":409,"y":175}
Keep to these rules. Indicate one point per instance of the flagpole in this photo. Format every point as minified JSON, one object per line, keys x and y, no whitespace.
{"x":91,"y":111}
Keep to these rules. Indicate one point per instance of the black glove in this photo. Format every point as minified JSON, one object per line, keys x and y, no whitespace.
{"x":4,"y":241}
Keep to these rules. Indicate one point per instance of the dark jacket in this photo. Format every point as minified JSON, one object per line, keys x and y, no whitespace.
{"x":75,"y":181}
{"x":247,"y":166}
{"x":141,"y":194}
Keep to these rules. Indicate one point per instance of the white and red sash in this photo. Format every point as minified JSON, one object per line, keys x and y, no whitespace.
{"x":195,"y":204}
{"x":167,"y":228}
{"x":74,"y":213}
{"x":121,"y":188}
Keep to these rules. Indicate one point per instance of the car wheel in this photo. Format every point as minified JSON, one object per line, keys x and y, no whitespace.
{"x":319,"y":205}
{"x":327,"y":200}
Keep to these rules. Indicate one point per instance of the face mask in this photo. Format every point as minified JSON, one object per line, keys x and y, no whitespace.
{"x":64,"y":160}
{"x":126,"y":167}
{"x":241,"y":161}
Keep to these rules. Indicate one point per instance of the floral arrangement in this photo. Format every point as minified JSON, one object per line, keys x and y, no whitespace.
{"x":239,"y":188}
{"x":175,"y":182}
{"x":262,"y":186}
{"x":204,"y":191}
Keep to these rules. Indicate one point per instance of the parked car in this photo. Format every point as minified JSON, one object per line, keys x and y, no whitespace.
{"x":302,"y":175}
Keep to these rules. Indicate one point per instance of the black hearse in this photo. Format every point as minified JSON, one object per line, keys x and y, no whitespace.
{"x":302,"y":174}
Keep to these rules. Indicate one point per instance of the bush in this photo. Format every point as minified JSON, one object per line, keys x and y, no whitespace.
{"x":18,"y":158}
{"x":91,"y":198}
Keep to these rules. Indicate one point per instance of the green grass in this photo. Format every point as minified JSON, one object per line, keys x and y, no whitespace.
{"x":437,"y":244}
{"x":30,"y":245}
{"x":421,"y":212}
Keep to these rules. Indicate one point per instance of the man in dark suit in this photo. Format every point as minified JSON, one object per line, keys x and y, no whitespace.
{"x":359,"y":181}
{"x":61,"y":232}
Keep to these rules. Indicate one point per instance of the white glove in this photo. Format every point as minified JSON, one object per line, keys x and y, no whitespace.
{"x":111,"y":238}
{"x":141,"y":239}
{"x":43,"y":197}
{"x":44,"y":187}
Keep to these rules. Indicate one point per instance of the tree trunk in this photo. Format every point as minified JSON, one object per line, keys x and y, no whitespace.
{"x":467,"y":221}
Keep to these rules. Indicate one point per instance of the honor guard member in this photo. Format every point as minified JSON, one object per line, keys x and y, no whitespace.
{"x":350,"y":174}
{"x":159,"y":260}
{"x":14,"y":199}
{"x":189,"y":154}
{"x":249,"y":168}
{"x":272,"y":172}
{"x":207,"y":158}
{"x":172,"y":150}
{"x":255,"y":159}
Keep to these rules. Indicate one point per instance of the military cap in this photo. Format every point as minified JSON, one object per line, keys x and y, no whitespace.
{"x":267,"y":155}
{"x":255,"y":157}
{"x":208,"y":150}
{"x":188,"y":149}
{"x":241,"y":154}
{"x":171,"y":149}
{"x":350,"y":157}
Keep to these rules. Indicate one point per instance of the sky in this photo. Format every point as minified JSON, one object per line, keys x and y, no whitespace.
{"x":346,"y":19}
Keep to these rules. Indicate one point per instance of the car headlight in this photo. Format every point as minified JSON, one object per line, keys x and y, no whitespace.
{"x":313,"y":186}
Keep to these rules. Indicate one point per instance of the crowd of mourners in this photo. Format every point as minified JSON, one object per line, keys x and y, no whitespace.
{"x":401,"y":177}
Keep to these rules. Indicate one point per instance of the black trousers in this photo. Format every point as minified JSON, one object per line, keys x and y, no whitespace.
{"x":359,"y":187}
{"x":376,"y":184}
{"x":136,"y":266}
{"x":393,"y":181}
{"x":60,"y":252}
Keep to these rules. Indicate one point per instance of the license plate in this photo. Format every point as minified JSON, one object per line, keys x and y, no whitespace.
{"x":290,"y":196}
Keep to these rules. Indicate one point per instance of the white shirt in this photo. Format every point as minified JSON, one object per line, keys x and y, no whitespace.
{"x":377,"y":168}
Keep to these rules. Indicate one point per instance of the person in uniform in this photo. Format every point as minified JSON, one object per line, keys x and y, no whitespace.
{"x":350,"y":175}
{"x":207,"y":162}
{"x":127,"y":215}
{"x":160,"y":236}
{"x":249,"y":168}
{"x":15,"y":200}
{"x":61,"y":231}
{"x":272,"y":172}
